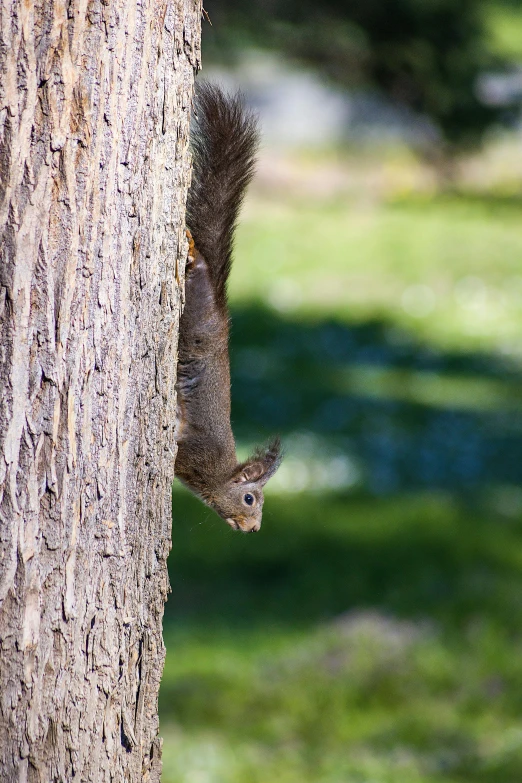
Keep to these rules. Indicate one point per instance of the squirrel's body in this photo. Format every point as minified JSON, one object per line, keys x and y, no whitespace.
{"x":206,"y":442}
{"x":224,"y":145}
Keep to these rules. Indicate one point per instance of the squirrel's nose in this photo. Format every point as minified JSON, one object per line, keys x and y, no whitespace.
{"x":255,"y":528}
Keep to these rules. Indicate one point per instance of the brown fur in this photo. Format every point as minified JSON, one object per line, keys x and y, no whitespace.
{"x":224,"y":144}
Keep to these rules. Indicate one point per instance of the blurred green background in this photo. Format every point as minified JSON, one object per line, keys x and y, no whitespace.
{"x":371,"y":633}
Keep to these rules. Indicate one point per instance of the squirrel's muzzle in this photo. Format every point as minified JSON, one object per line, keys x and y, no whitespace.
{"x":246,"y":526}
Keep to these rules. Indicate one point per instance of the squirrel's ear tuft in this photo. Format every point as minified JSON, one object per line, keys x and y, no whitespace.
{"x":261,"y":466}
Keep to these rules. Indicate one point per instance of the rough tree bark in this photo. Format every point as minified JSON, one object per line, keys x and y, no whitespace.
{"x":94,"y":167}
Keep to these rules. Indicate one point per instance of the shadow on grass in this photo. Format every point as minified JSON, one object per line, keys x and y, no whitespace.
{"x":424,"y":557}
{"x":411,"y":417}
{"x":433,"y":527}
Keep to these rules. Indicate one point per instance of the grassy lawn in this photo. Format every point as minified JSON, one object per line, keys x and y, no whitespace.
{"x":446,"y":269}
{"x":371,"y":633}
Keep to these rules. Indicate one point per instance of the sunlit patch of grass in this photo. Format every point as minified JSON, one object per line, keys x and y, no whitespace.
{"x":446,"y":268}
{"x":433,"y":389}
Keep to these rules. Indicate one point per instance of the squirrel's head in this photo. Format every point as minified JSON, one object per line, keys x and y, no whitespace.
{"x":240,"y":499}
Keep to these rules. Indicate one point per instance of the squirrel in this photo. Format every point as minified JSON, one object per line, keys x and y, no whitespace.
{"x":224,"y":145}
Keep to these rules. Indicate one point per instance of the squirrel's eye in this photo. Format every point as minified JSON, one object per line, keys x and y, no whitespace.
{"x":249,"y":499}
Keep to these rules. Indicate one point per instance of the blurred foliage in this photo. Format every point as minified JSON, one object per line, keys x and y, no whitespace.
{"x":424,"y":54}
{"x":371,"y":632}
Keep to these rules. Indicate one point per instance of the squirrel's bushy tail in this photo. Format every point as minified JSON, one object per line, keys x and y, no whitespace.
{"x":225,"y":138}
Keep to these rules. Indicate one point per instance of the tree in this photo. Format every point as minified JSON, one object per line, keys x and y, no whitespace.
{"x":94,"y":169}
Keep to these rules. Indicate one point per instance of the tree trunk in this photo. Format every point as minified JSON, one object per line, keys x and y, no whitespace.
{"x":94,"y":168}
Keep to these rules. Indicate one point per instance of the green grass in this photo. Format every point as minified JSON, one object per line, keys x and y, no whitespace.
{"x":371,"y":633}
{"x":447,"y":268}
{"x":357,"y":639}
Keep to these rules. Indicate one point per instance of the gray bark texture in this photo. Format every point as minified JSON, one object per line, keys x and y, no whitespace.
{"x":95,"y":99}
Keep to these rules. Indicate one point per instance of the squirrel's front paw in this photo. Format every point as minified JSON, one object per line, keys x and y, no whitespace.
{"x":191,"y":255}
